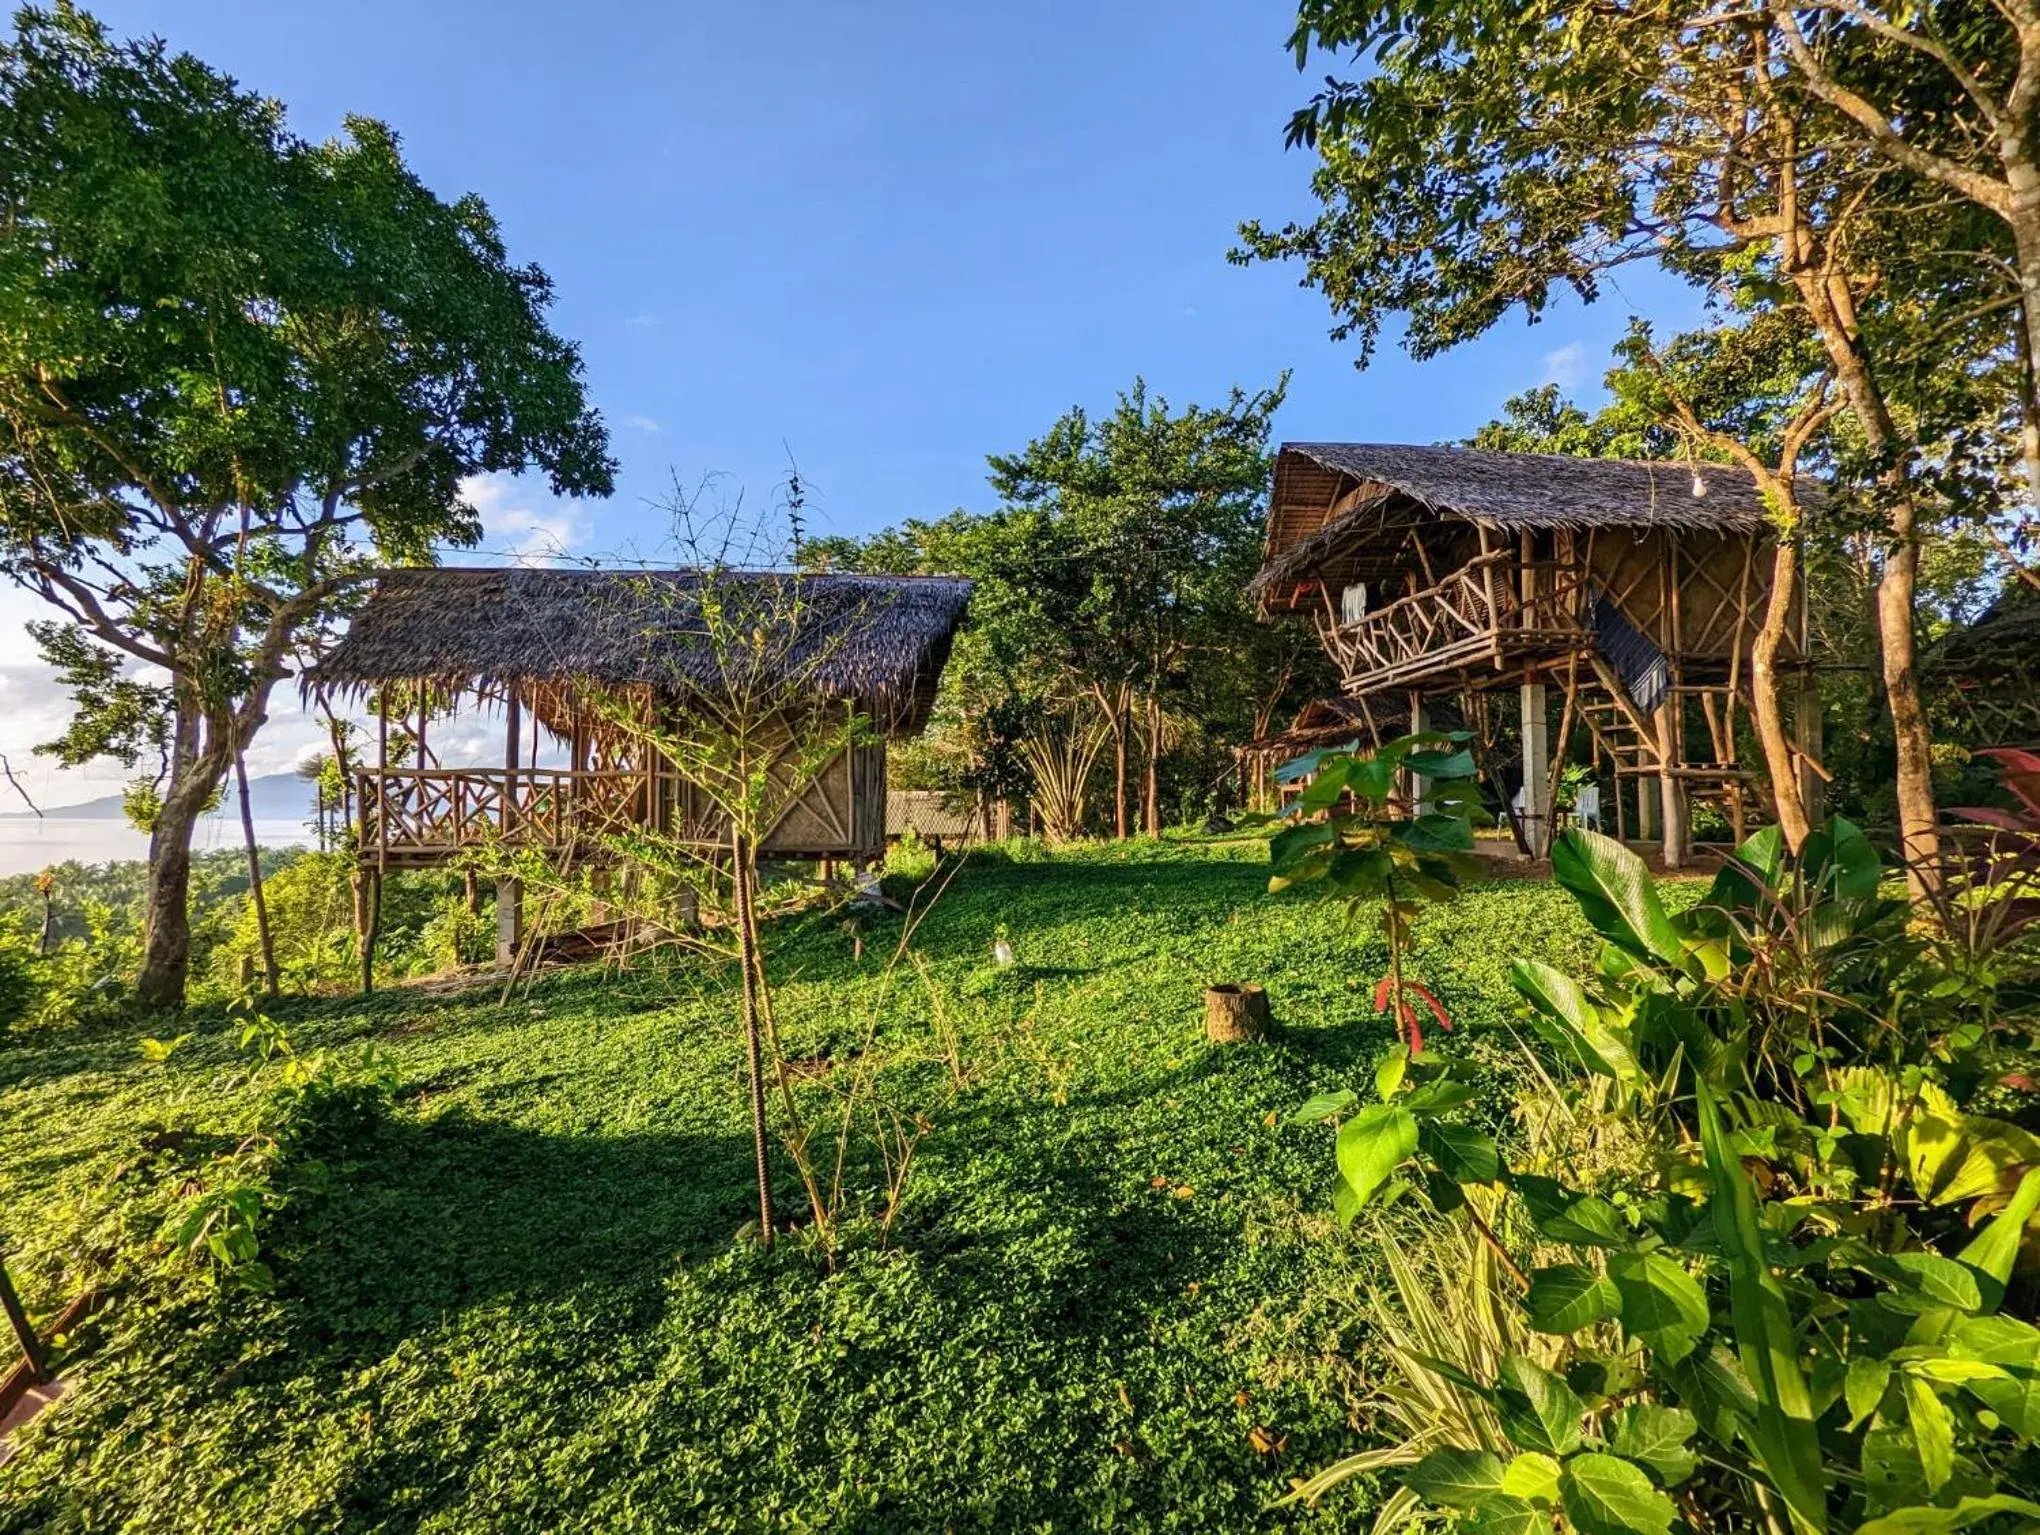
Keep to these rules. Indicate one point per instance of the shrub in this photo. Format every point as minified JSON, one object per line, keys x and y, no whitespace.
{"x":1786,"y":1307}
{"x":455,"y":934}
{"x":18,"y":980}
{"x":311,"y":922}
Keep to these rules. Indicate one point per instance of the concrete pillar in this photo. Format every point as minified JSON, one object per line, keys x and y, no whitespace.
{"x":1536,"y":771}
{"x":509,"y":920}
{"x":1672,"y":788}
{"x":1420,"y":721}
{"x":1647,"y":802}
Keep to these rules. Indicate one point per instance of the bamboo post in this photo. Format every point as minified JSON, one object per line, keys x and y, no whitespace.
{"x":382,"y":772}
{"x":1671,"y":721}
{"x":507,"y":815}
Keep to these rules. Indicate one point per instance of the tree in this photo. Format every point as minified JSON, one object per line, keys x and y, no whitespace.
{"x":1495,"y":153}
{"x":1161,"y":515}
{"x":236,"y":370}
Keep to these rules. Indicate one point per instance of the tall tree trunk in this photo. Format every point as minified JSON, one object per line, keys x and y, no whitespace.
{"x":1916,"y":818}
{"x":166,"y":933}
{"x":742,"y":874}
{"x":1770,"y":723}
{"x":1113,"y":703}
{"x":1120,"y":731}
{"x":1151,"y":789}
{"x":1830,"y":305}
{"x":2028,"y":332}
{"x":269,"y":977}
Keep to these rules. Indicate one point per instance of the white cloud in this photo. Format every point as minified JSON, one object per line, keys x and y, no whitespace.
{"x":524,"y":524}
{"x":643,"y":423}
{"x":1566,"y":366}
{"x":644,"y":319}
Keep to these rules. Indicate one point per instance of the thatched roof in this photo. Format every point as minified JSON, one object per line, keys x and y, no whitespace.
{"x":879,"y":640}
{"x":1332,"y":496}
{"x":2003,"y":643}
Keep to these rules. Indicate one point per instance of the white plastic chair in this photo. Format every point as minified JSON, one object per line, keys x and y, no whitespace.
{"x":1587,"y":806}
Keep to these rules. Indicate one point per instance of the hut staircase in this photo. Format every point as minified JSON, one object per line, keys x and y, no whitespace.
{"x":1620,"y":734}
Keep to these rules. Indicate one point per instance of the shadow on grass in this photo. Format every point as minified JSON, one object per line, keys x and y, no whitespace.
{"x":430,"y":1218}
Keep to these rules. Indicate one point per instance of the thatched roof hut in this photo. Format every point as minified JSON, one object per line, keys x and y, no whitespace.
{"x":2004,"y":644}
{"x":878,"y":640}
{"x":1342,"y":510}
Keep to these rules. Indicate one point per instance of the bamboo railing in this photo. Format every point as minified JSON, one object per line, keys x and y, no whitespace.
{"x":1490,"y":608}
{"x":411,"y":812}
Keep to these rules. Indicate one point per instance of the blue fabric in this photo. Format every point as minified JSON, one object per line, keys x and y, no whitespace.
{"x":1646,"y":677}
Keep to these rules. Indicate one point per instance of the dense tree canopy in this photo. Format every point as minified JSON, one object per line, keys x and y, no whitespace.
{"x":235,"y":368}
{"x":1112,"y":579}
{"x":1482,"y":157}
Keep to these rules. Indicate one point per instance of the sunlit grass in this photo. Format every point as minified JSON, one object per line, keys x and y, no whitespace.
{"x":1110,"y":1298}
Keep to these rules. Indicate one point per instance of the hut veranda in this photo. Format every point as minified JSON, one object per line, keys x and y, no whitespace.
{"x":1623,"y":595}
{"x":590,"y":669}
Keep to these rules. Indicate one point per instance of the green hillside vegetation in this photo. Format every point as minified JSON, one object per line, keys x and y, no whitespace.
{"x":512,"y":1296}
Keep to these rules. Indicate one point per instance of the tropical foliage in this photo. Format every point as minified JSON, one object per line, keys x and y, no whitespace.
{"x":1795,"y":1300}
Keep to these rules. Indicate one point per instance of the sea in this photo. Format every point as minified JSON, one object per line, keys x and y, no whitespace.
{"x":28,"y":844}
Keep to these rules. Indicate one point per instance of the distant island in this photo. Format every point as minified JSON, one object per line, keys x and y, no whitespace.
{"x":273,"y":797}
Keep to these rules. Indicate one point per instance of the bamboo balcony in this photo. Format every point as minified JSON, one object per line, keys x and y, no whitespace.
{"x":423,"y":816}
{"x":1492,"y":612}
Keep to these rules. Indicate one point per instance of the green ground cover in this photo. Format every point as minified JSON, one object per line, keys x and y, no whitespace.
{"x":516,"y":1301}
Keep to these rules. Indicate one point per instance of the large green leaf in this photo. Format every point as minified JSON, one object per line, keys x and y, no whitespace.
{"x":1932,"y":1521}
{"x":1334,"y":776}
{"x":1436,"y":834}
{"x":1372,"y":1145}
{"x":1933,"y":1431}
{"x":1952,"y":1156}
{"x":1569,"y":1296}
{"x":1863,"y":1386}
{"x":1616,"y":894}
{"x":1712,"y":1384}
{"x":1507,"y":1516}
{"x":1567,"y":1016}
{"x":1661,"y":1303}
{"x":1463,"y":1154}
{"x":1782,"y":1436}
{"x":1323,"y":1106}
{"x":1538,"y":1409}
{"x":1840,"y":861}
{"x":1923,"y":1282}
{"x":1290,"y":844}
{"x":1533,"y":1476}
{"x":1655,"y":1436}
{"x":1456,"y":1478}
{"x":1996,"y":1247}
{"x":1561,"y":1215}
{"x":1748,"y":879}
{"x":2014,"y":1347}
{"x":1606,"y":1495}
{"x":1427,"y":764}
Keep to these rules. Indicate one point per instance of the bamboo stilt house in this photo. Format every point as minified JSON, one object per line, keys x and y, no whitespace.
{"x":1986,"y":694}
{"x":561,"y":651}
{"x":1635,"y":589}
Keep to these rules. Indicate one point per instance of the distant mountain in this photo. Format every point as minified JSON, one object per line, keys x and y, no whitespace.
{"x":272,"y":797}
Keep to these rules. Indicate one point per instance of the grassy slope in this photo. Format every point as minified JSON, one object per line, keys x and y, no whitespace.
{"x":518,"y":1306}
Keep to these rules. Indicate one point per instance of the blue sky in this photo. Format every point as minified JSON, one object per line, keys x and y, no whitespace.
{"x":886,"y":238}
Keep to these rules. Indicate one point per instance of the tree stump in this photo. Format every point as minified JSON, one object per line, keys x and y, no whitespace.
{"x":1233,"y":1014}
